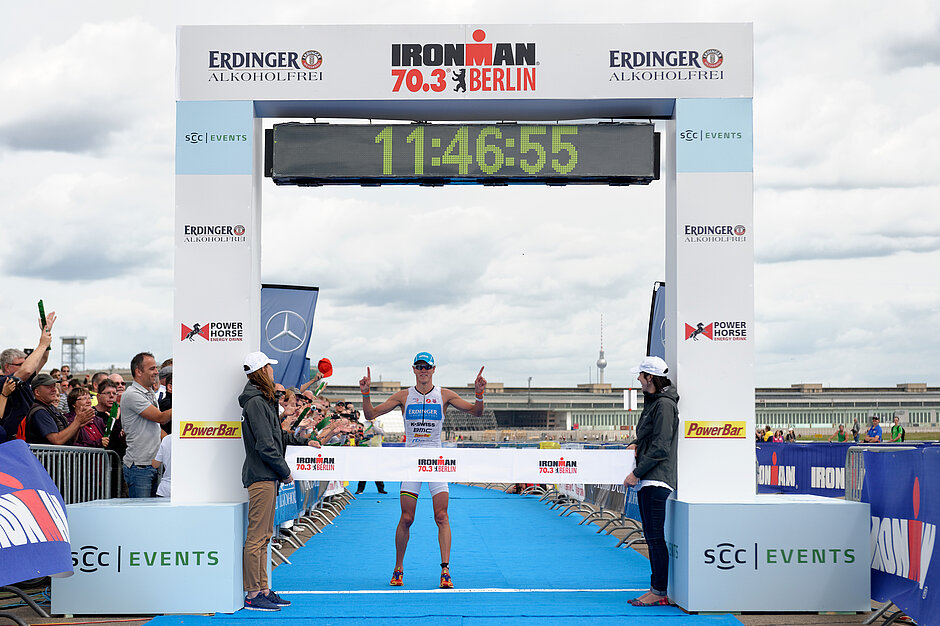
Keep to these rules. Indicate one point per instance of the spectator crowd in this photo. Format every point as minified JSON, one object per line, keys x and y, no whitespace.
{"x":135,"y":421}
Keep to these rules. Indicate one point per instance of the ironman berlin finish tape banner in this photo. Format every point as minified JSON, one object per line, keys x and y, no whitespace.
{"x":460,"y":464}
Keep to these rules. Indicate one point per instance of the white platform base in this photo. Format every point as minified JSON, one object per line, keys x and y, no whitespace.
{"x":149,"y":557}
{"x":769,"y":553}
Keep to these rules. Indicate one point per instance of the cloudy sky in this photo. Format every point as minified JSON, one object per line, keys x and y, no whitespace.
{"x":847,"y":226}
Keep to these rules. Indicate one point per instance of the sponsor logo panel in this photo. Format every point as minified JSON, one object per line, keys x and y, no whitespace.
{"x":214,"y":233}
{"x":317,"y":463}
{"x":464,"y":67}
{"x":714,"y":233}
{"x":722,"y":330}
{"x":210,"y":430}
{"x":666,"y":65}
{"x":714,"y":430}
{"x":213,"y":331}
{"x":271,"y":66}
{"x":440,"y":464}
{"x":561,"y":466}
{"x":727,"y":556}
{"x":91,"y":558}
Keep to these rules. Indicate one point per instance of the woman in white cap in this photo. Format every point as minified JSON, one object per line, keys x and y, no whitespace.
{"x":655,"y":474}
{"x":263,"y":469}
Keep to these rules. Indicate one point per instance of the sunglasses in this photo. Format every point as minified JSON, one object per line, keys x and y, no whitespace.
{"x":423,"y":367}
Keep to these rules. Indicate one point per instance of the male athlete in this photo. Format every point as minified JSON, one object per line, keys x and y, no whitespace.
{"x":423,"y":408}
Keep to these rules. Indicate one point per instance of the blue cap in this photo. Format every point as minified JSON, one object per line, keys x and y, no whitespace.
{"x":426,"y":357}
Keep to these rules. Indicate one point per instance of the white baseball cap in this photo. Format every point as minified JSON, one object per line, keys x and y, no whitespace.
{"x":256,"y":360}
{"x":651,"y":365}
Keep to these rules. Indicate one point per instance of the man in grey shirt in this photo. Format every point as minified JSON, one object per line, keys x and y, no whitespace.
{"x":141,"y":420}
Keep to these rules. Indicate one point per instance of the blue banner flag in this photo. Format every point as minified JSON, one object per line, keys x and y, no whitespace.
{"x":34,"y":531}
{"x":656,"y":339}
{"x":286,"y":325}
{"x":903,"y":489}
{"x":813,"y":468}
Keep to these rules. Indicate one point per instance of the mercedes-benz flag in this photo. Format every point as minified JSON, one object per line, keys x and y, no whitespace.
{"x":286,"y":325}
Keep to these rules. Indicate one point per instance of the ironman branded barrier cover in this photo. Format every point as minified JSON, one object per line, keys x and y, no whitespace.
{"x":812,"y":468}
{"x":460,"y":464}
{"x":903,"y":490}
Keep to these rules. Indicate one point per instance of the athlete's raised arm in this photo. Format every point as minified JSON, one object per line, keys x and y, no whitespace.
{"x":475,"y":409}
{"x":371,"y":412}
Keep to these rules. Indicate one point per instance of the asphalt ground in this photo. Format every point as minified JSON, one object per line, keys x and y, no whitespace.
{"x":13,"y":606}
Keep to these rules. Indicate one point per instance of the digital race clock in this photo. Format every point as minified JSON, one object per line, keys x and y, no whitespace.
{"x":437,"y":154}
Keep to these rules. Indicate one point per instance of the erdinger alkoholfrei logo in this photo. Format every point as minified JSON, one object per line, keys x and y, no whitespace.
{"x":724,"y":330}
{"x":561,"y":466}
{"x":317,"y":463}
{"x":440,"y":464}
{"x":270,"y":66}
{"x":462,"y":67}
{"x":213,"y":331}
{"x":666,"y":65}
{"x":904,"y":547}
{"x":214,"y":233}
{"x":714,"y":233}
{"x":776,"y":475}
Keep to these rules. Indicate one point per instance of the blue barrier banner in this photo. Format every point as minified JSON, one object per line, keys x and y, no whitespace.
{"x":903,"y":490}
{"x":811,"y":468}
{"x":286,"y":324}
{"x":286,"y":507}
{"x":34,"y":531}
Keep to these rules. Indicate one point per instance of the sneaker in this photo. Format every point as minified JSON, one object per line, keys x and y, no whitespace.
{"x":260,"y":603}
{"x":381,"y":491}
{"x":356,"y":493}
{"x":397,"y":578}
{"x":276,"y":599}
{"x":445,"y":579}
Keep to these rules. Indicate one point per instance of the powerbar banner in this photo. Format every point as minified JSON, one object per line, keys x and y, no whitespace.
{"x":811,"y":468}
{"x":34,"y":532}
{"x":286,"y":324}
{"x":903,"y":490}
{"x":460,"y":464}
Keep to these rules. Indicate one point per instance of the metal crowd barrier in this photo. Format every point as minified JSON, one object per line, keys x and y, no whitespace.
{"x":81,"y":474}
{"x":855,"y":467}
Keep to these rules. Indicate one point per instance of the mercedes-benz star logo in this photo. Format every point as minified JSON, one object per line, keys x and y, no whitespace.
{"x":285,"y":331}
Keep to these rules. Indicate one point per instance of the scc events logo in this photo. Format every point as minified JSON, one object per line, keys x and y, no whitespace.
{"x":727,"y":556}
{"x":90,"y":559}
{"x":213,"y":331}
{"x":465,"y":66}
{"x":717,"y":331}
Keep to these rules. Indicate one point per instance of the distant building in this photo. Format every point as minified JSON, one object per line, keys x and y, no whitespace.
{"x":601,"y":407}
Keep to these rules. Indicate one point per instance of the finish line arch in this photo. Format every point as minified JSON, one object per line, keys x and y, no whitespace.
{"x":695,"y":79}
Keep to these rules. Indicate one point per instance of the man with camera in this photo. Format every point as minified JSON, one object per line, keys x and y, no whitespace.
{"x":22,"y":367}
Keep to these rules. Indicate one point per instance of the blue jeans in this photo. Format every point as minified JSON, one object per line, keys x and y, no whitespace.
{"x":141,"y":481}
{"x":652,"y":501}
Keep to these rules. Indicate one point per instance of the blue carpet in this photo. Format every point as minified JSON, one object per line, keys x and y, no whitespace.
{"x":499,"y":542}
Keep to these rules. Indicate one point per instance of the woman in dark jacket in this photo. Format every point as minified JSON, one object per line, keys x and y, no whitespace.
{"x":263,"y":469}
{"x":655,"y":474}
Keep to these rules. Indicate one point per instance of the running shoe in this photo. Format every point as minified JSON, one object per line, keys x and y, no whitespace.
{"x":397,"y":578}
{"x":260,"y":603}
{"x":445,"y":579}
{"x":276,"y":599}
